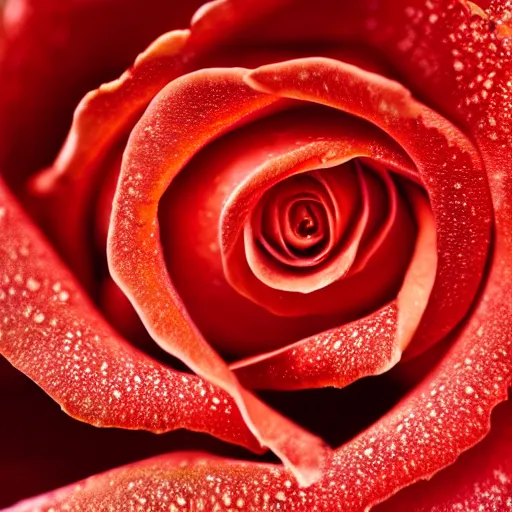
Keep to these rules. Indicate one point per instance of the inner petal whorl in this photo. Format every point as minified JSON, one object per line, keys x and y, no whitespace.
{"x":301,"y":222}
{"x":306,"y":224}
{"x":294,"y":222}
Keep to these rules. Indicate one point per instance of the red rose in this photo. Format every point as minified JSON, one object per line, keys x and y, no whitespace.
{"x":290,"y":196}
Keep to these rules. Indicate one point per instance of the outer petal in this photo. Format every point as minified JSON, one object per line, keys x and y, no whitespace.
{"x":479,"y":481}
{"x":409,"y":443}
{"x":51,"y":332}
{"x":53,"y":52}
{"x":43,"y":448}
{"x":103,"y":117}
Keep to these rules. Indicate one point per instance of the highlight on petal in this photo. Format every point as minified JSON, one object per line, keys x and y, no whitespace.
{"x":448,"y":165}
{"x":52,"y":333}
{"x":183,"y":117}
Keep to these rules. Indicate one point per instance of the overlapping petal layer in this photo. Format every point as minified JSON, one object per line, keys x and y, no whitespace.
{"x":105,"y":115}
{"x":217,"y":193}
{"x":182,"y":118}
{"x":52,"y":333}
{"x":479,"y":480}
{"x":449,"y":168}
{"x":337,"y":143}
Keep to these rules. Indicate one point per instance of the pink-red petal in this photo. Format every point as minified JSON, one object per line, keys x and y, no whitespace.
{"x":52,"y":333}
{"x":184,"y":116}
{"x":449,"y":167}
{"x":479,"y":481}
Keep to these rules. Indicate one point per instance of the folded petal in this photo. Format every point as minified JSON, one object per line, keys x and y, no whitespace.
{"x":448,"y":165}
{"x":225,"y":180}
{"x":52,"y":333}
{"x":184,"y":116}
{"x":322,"y":146}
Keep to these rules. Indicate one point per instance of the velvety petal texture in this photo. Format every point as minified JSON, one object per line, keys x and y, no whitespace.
{"x":52,"y":333}
{"x":319,"y":218}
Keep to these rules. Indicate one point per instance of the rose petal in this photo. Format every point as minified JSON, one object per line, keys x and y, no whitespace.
{"x":184,"y":116}
{"x":105,"y":115}
{"x":51,"y":333}
{"x":480,"y":479}
{"x":52,"y":53}
{"x":114,"y":107}
{"x":454,"y":184}
{"x":497,"y":306}
{"x":369,"y":346}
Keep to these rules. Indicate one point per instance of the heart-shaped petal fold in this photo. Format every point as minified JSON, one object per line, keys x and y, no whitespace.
{"x":53,"y":334}
{"x":185,"y":115}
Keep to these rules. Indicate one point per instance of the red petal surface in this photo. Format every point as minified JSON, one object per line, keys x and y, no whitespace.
{"x":53,"y":52}
{"x":369,"y":346}
{"x":184,"y":116}
{"x":105,"y":115}
{"x":480,"y":480}
{"x":448,"y":165}
{"x":447,"y":414}
{"x":101,"y":119}
{"x":51,"y":333}
{"x":339,"y":187}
